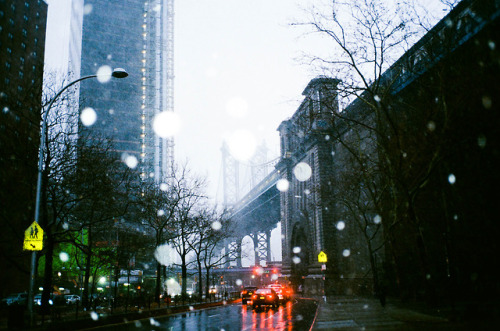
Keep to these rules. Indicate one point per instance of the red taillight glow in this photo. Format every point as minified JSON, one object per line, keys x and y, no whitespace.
{"x":254,"y":296}
{"x":270,"y":296}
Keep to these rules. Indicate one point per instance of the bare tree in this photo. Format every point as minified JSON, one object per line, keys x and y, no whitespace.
{"x":367,"y":38}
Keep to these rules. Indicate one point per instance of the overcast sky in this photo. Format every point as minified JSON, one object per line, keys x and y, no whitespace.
{"x":235,"y":72}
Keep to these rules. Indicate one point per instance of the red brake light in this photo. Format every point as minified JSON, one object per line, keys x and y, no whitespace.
{"x":270,"y":296}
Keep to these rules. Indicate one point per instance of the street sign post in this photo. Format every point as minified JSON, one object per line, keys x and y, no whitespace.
{"x":33,"y":238}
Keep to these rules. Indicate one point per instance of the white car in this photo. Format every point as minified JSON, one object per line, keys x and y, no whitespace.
{"x":72,"y":299}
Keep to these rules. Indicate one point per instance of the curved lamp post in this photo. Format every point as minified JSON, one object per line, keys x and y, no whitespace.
{"x":117,"y":73}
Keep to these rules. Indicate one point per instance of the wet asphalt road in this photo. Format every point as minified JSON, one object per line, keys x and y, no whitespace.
{"x":297,"y":314}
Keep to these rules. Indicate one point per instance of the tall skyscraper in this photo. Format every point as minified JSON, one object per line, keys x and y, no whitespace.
{"x":136,"y":35}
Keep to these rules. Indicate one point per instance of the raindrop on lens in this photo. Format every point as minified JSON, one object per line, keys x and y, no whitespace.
{"x":239,"y":282}
{"x":166,"y":124}
{"x":104,"y":74}
{"x":87,"y":9}
{"x":94,"y":316}
{"x":163,"y":187}
{"x":377,"y":98}
{"x":296,"y":250}
{"x":302,"y":171}
{"x":481,"y":141}
{"x":191,"y":308}
{"x":282,"y":185}
{"x":160,"y":212}
{"x":216,"y":225}
{"x":377,"y":219}
{"x":431,"y":126}
{"x":346,"y":252}
{"x":64,"y":257}
{"x":487,"y":103}
{"x":491,"y":45}
{"x":340,"y":225}
{"x":452,"y":179}
{"x":88,"y":116}
{"x":296,"y":259}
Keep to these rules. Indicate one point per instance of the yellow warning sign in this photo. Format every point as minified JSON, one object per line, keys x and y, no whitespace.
{"x":33,"y":238}
{"x":322,"y":257}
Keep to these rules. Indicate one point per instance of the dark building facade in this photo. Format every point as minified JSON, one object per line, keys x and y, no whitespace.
{"x":401,"y":194}
{"x":22,"y":47}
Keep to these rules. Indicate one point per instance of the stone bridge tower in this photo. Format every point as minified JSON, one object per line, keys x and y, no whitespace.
{"x":306,"y":164}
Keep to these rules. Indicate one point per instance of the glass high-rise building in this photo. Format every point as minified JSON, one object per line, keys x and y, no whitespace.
{"x":135,"y":35}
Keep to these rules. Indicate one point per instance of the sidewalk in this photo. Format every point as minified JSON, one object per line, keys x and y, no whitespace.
{"x":357,"y":313}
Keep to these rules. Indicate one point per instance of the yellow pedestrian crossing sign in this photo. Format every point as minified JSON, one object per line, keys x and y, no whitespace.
{"x":322,"y":257}
{"x":33,"y":238}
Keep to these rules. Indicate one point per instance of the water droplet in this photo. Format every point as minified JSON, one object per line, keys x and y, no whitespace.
{"x":94,"y":316}
{"x":452,"y":179}
{"x":340,"y":225}
{"x":166,"y":124}
{"x":307,"y":192}
{"x":104,"y":74}
{"x":377,"y":98}
{"x":191,"y":308}
{"x":160,"y":212}
{"x":64,"y":257}
{"x":377,"y":219}
{"x":216,"y":225}
{"x":302,"y":171}
{"x":87,"y":9}
{"x":346,"y":252}
{"x":296,"y":259}
{"x":154,"y":322}
{"x":5,"y":110}
{"x":163,"y":187}
{"x":431,"y":126}
{"x":88,"y":116}
{"x":239,"y":282}
{"x":296,"y":250}
{"x":481,"y":141}
{"x":487,"y":102}
{"x":327,"y":137}
{"x":130,"y":160}
{"x":282,"y":185}
{"x":491,"y":45}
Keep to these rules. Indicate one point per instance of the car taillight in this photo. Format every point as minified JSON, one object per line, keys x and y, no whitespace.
{"x":254,"y":296}
{"x":244,"y":292}
{"x":270,"y":296}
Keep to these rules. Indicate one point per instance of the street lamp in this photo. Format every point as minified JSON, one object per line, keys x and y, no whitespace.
{"x":117,"y":73}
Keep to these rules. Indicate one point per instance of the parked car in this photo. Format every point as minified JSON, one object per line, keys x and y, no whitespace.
{"x":71,"y":299}
{"x":265,"y":297}
{"x":18,"y":299}
{"x":247,"y":293}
